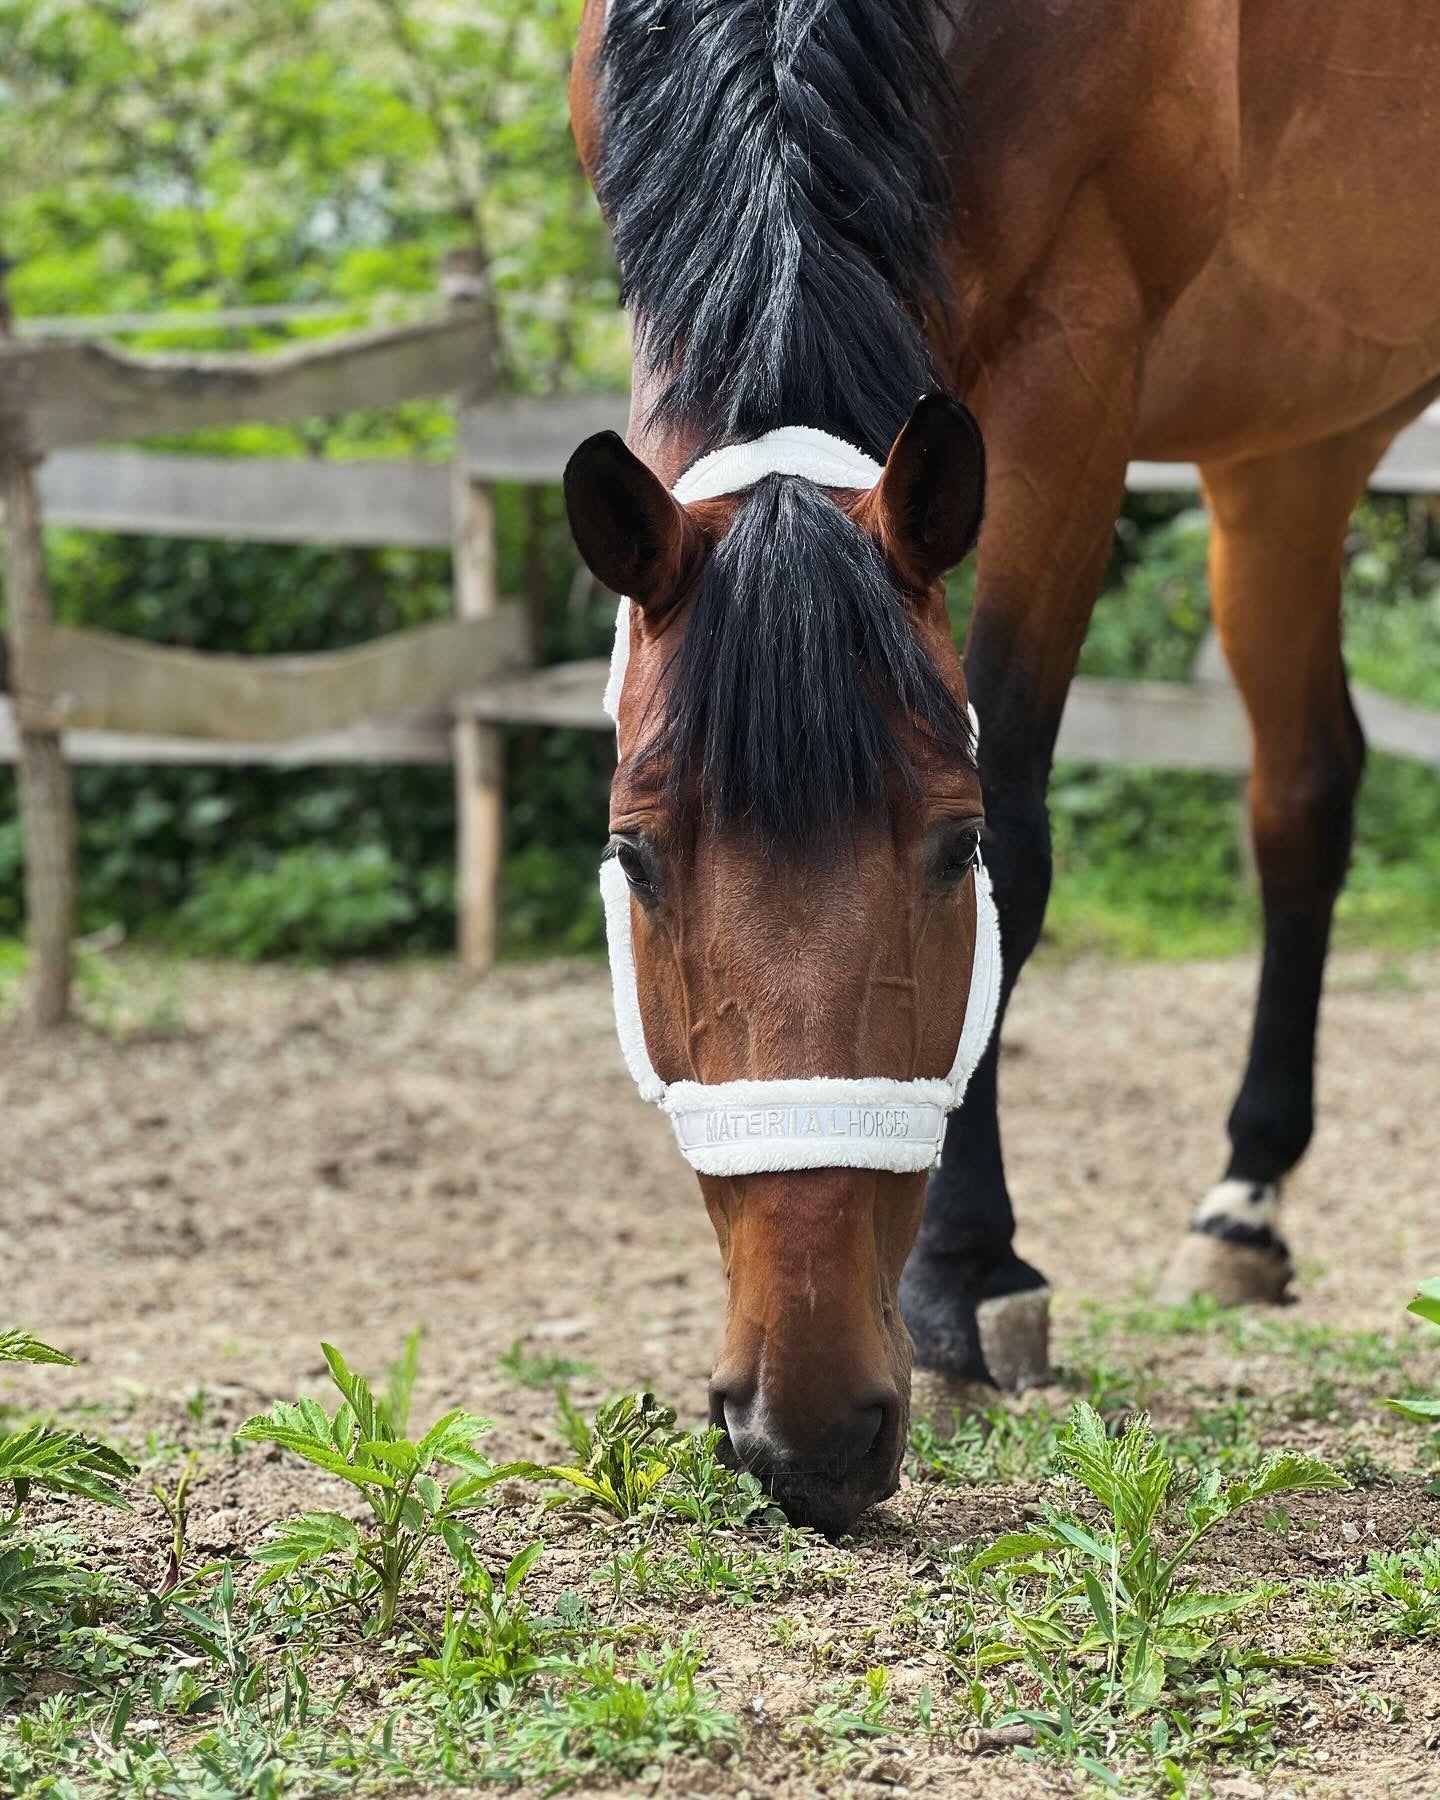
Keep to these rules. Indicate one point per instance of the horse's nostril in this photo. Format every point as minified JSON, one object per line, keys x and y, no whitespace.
{"x":864,"y":1427}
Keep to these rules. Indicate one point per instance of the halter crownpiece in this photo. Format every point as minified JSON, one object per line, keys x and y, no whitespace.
{"x":815,"y":1122}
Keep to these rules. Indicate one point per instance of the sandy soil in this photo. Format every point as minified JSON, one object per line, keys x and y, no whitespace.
{"x":342,"y":1154}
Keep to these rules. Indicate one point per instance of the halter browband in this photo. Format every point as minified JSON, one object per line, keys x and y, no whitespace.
{"x":817,"y":1122}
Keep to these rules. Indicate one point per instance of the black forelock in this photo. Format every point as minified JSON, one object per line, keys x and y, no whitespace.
{"x":797,"y":663}
{"x":776,"y":175}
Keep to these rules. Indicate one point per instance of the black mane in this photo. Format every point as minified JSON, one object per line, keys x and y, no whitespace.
{"x":776,"y":175}
{"x":797,"y":656}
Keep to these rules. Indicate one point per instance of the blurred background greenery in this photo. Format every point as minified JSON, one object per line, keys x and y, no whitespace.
{"x":195,"y":154}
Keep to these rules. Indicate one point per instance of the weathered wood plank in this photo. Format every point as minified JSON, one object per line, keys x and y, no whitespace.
{"x":1399,"y":727}
{"x":1169,"y":724}
{"x":420,"y":739}
{"x":1156,"y":724}
{"x":97,"y":680}
{"x":532,"y":440}
{"x":479,"y":749}
{"x":1160,"y":724}
{"x":264,"y":499}
{"x":52,"y":395}
{"x":562,"y":694}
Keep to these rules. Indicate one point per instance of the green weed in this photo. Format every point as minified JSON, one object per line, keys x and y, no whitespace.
{"x":538,"y":1370}
{"x":837,"y":1732}
{"x":635,"y":1460}
{"x":1396,"y":1595}
{"x":1425,"y":1305}
{"x":624,"y":1722}
{"x":995,"y":1446}
{"x":1100,"y":1610}
{"x":361,"y":1444}
{"x":36,"y":1591}
{"x":492,"y":1648}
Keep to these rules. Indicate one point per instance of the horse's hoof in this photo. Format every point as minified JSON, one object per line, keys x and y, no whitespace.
{"x":1015,"y":1338}
{"x":1000,"y":1340}
{"x":1232,"y":1251}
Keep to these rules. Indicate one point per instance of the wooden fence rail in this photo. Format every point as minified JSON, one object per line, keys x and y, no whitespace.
{"x":54,"y":395}
{"x":99,"y":681}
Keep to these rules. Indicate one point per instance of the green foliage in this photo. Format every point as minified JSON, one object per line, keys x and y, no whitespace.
{"x":273,"y":150}
{"x":56,"y":1461}
{"x":1395,"y":1596}
{"x":492,"y":1649}
{"x":35,"y":1589}
{"x":410,"y":1508}
{"x":634,"y":1461}
{"x":626,"y":1723}
{"x":538,"y":1369}
{"x":317,"y":904}
{"x":997,"y":1445}
{"x":716,"y":1565}
{"x":20,"y":1346}
{"x":838,"y":1731}
{"x":1100,"y":1607}
{"x":1425,"y":1305}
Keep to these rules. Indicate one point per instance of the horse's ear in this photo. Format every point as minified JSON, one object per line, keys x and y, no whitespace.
{"x":927,"y":505}
{"x":633,"y":534}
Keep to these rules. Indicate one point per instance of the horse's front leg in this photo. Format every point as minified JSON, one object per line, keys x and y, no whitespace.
{"x":1058,"y":415}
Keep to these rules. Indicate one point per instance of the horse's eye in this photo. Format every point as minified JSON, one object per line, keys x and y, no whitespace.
{"x":637,"y":864}
{"x":957,"y":854}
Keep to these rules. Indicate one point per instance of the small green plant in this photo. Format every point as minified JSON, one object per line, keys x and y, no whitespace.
{"x":538,"y":1370}
{"x":1102,"y":1609}
{"x":1396,"y":1595}
{"x":63,"y":1462}
{"x":362,"y":1444}
{"x":626,"y":1721}
{"x":839,"y":1730}
{"x":1425,"y":1305}
{"x":634,"y":1460}
{"x":35,"y":1590}
{"x":492,"y":1648}
{"x":626,"y":1454}
{"x":997,"y":1445}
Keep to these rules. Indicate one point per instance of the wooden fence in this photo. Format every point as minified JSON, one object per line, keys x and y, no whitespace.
{"x":90,"y":695}
{"x":439,"y":693}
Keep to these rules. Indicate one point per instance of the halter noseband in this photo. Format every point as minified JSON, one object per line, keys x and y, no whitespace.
{"x":817,"y":1122}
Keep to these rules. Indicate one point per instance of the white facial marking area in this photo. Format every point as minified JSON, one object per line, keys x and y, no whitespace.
{"x":817,"y":1122}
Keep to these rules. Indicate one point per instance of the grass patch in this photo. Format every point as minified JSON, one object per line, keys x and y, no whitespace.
{"x":440,"y":1625}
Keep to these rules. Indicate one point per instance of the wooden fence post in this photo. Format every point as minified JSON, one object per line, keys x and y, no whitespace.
{"x":47,"y":814}
{"x":47,"y":810}
{"x":479,"y":749}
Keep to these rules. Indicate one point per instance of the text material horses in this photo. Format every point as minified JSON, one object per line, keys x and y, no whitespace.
{"x":849,"y":230}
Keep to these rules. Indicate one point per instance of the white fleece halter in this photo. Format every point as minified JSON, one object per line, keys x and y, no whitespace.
{"x":819,"y":1122}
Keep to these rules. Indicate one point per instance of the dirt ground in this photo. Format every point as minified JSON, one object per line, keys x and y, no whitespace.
{"x":343,"y":1154}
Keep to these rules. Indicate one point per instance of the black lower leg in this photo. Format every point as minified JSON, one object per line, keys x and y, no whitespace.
{"x":1302,"y":846}
{"x":1273,"y":1115}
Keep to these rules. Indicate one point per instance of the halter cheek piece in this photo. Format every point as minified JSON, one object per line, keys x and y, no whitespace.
{"x":820,"y":1122}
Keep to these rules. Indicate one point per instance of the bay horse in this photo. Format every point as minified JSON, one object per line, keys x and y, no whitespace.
{"x":848,"y":230}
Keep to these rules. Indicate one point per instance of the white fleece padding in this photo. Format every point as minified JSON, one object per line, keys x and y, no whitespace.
{"x":817,"y":1122}
{"x":615,"y":891}
{"x":788,"y":450}
{"x":814,"y":1122}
